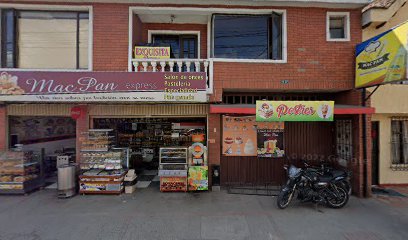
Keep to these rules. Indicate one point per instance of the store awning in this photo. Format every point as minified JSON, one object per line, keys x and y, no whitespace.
{"x":250,"y":109}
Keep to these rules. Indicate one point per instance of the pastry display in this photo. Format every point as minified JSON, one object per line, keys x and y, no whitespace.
{"x":17,"y":169}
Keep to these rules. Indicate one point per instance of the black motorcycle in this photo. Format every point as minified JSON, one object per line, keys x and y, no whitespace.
{"x":342,"y":176}
{"x":311,"y":185}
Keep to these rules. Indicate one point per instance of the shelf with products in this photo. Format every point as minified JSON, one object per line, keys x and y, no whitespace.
{"x":103,"y":167}
{"x":20,"y":172}
{"x":173,"y":169}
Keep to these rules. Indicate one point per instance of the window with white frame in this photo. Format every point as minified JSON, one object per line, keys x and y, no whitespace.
{"x":399,"y":141}
{"x":338,"y":26}
{"x":44,"y":39}
{"x":248,"y":36}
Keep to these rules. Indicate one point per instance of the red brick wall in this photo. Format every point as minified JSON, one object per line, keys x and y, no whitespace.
{"x":111,"y":37}
{"x":313,"y":63}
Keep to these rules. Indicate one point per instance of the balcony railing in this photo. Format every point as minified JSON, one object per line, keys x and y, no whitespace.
{"x":176,"y":65}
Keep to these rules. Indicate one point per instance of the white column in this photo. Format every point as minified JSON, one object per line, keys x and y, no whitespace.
{"x":144,"y":64}
{"x":180,"y":65}
{"x":154,"y":65}
{"x":188,"y":64}
{"x":163,"y":66}
{"x":171,"y":64}
{"x":197,"y":66}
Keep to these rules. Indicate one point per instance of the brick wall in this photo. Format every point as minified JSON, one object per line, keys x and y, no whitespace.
{"x":111,"y":37}
{"x":313,"y":63}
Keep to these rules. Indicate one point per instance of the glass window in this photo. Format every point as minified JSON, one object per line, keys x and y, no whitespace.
{"x":181,"y":46}
{"x":337,"y":27}
{"x":50,"y":40}
{"x":399,"y":141}
{"x":248,"y":36}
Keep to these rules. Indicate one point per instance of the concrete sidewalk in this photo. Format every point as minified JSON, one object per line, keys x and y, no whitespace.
{"x":149,"y":214}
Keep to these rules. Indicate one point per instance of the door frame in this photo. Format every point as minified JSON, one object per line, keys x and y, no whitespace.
{"x":375,"y":165}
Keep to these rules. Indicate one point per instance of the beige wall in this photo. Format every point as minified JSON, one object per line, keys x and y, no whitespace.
{"x":400,"y":16}
{"x":389,"y":100}
{"x":387,"y":176}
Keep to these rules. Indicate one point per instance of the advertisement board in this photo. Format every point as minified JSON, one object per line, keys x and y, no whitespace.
{"x":198,"y":178}
{"x":27,"y":86}
{"x":142,"y":52}
{"x":294,"y":111}
{"x":383,"y":58}
{"x":270,"y":142}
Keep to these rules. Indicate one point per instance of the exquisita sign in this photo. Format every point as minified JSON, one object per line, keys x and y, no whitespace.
{"x":272,"y":111}
{"x":152,"y":52}
{"x":102,"y":86}
{"x":383,"y":58}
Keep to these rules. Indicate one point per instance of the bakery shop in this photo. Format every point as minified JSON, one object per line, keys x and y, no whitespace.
{"x":123,"y":130}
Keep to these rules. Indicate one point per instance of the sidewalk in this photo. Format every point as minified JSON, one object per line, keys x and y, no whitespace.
{"x":149,"y":214}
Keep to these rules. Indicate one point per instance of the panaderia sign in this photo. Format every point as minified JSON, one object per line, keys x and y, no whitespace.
{"x":21,"y":86}
{"x":298,"y":111}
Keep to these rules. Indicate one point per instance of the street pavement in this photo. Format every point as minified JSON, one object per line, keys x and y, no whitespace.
{"x":149,"y":214}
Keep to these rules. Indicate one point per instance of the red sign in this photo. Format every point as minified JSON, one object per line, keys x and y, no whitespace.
{"x":76,"y":112}
{"x":104,"y":86}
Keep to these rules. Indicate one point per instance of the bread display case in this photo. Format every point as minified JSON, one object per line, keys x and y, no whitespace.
{"x":173,"y":169}
{"x":103,"y":167}
{"x":20,"y":172}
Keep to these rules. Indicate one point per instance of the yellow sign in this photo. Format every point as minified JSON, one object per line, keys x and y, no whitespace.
{"x":382,"y":59}
{"x":152,"y":52}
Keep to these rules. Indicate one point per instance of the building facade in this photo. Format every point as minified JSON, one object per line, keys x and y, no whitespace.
{"x":248,"y":51}
{"x":390,"y":154}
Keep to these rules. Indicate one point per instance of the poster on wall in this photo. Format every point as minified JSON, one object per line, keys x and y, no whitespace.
{"x":30,"y":130}
{"x":383,"y":58}
{"x":294,"y":111}
{"x":239,"y":136}
{"x":198,"y":178}
{"x":270,"y":142}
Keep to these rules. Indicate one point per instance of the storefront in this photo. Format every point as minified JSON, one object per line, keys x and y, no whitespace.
{"x":110,"y":122}
{"x":258,"y":141}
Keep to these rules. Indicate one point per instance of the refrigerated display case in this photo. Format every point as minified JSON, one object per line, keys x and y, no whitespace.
{"x":173,"y":169}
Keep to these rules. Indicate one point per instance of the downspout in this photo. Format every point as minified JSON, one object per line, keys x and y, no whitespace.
{"x":365,"y":170}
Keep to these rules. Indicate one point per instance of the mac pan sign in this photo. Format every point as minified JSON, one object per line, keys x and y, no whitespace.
{"x":383,"y":58}
{"x":19,"y":86}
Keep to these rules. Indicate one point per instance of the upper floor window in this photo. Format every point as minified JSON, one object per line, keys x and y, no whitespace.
{"x":338,"y":26}
{"x":248,"y":36}
{"x":44,"y":39}
{"x":181,"y":46}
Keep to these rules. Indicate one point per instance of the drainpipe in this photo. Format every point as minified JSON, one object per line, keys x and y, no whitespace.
{"x":365,"y":170}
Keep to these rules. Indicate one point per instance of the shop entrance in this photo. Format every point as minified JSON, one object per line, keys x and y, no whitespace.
{"x":146,"y":136}
{"x":48,"y":140}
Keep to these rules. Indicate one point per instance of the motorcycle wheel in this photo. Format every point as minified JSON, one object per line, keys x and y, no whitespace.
{"x":338,"y":202}
{"x":284,"y":198}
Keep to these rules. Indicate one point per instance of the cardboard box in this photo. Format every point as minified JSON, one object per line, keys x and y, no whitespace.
{"x":130,"y":189}
{"x":130,"y":176}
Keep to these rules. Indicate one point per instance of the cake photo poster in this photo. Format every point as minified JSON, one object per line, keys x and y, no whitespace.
{"x":239,"y":136}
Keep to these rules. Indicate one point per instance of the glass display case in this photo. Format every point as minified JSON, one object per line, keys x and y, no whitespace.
{"x":173,"y":169}
{"x":103,"y":167}
{"x":20,"y":172}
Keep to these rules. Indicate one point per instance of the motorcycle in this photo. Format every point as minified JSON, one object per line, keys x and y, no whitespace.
{"x":344,"y":177}
{"x":312,"y":185}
